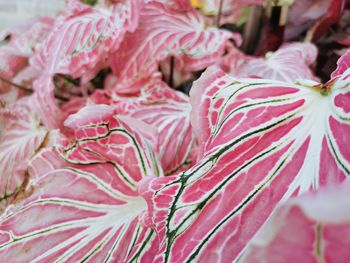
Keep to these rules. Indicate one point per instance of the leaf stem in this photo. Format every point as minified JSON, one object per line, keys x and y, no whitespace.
{"x":219,"y":13}
{"x":68,"y":79}
{"x":171,"y":73}
{"x":15,"y":84}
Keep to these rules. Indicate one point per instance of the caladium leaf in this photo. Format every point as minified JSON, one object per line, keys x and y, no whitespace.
{"x":22,"y":45}
{"x":21,"y":138}
{"x":260,"y":142}
{"x":83,"y":204}
{"x":84,"y":35}
{"x":290,"y":63}
{"x":342,"y":65}
{"x":309,"y":228}
{"x":165,"y":109}
{"x":79,"y":41}
{"x":232,"y":61}
{"x":26,"y":39}
{"x":169,"y":112}
{"x":45,"y":104}
{"x":10,"y":64}
{"x":165,"y":32}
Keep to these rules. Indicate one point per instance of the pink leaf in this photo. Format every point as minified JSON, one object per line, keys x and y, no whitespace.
{"x":26,"y":40}
{"x":306,"y":229}
{"x":22,"y":45}
{"x":261,"y":142}
{"x":167,"y":111}
{"x":80,"y":41}
{"x":342,"y":65}
{"x":163,"y":33}
{"x":10,"y":65}
{"x":290,"y":63}
{"x":21,"y":139}
{"x":45,"y":104}
{"x":83,"y":204}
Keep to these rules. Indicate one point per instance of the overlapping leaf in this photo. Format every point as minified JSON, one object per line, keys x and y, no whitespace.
{"x":260,"y":142}
{"x":19,"y":141}
{"x":311,"y":228}
{"x":167,"y":111}
{"x":83,"y":204}
{"x":165,"y":32}
{"x":25,"y":40}
{"x":10,"y":64}
{"x":81,"y":38}
{"x":22,"y":45}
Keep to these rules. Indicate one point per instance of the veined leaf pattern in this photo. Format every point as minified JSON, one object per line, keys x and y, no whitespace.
{"x":83,"y":204}
{"x":165,"y":32}
{"x":81,"y":38}
{"x":21,"y":138}
{"x":308,"y":228}
{"x":260,"y":142}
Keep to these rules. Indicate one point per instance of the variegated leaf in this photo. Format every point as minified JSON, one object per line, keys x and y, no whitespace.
{"x":81,"y":38}
{"x":10,"y":64}
{"x":260,"y":142}
{"x":165,"y":109}
{"x":311,"y":228}
{"x":342,"y":65}
{"x":83,"y":204}
{"x":19,"y":141}
{"x":162,"y":33}
{"x":169,"y":112}
{"x":22,"y":44}
{"x":290,"y":63}
{"x":25,"y":40}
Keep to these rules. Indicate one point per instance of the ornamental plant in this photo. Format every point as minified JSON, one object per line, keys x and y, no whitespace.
{"x":177,"y":131}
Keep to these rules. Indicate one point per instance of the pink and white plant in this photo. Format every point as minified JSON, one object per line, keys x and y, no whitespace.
{"x":103,"y":161}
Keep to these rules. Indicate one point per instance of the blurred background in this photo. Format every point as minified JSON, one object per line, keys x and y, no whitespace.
{"x":14,"y":12}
